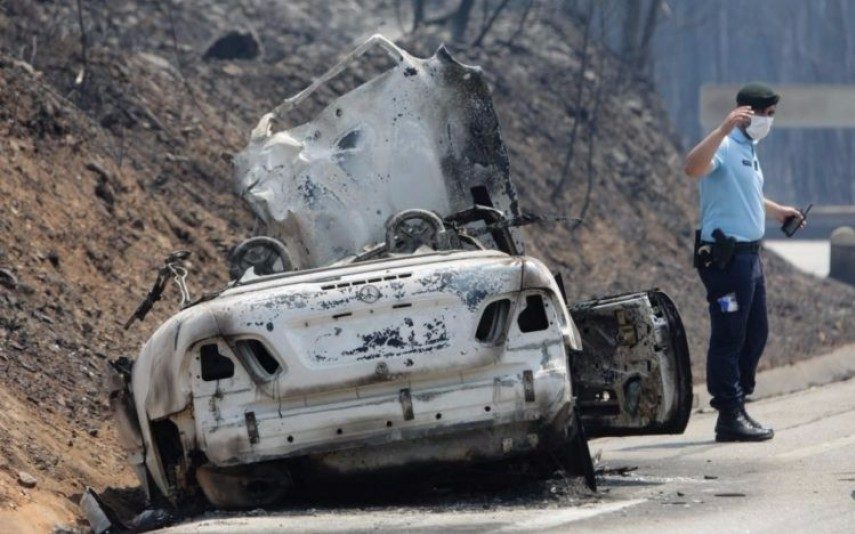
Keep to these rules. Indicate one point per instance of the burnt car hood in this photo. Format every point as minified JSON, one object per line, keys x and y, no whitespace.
{"x":423,"y":134}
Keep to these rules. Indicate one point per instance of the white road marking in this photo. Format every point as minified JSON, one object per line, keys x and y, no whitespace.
{"x":819,"y":448}
{"x":548,"y":519}
{"x":503,"y":521}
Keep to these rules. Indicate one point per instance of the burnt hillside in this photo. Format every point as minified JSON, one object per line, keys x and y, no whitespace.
{"x":116,"y":145}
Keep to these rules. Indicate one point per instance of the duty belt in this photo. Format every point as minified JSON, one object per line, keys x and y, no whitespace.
{"x":742,"y":246}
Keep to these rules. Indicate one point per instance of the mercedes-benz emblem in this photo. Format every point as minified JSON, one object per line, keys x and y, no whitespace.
{"x":368,"y":294}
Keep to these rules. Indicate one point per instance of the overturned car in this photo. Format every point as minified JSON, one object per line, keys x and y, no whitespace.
{"x":389,"y":316}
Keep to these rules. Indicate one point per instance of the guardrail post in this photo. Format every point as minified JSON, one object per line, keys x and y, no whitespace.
{"x":842,"y":260}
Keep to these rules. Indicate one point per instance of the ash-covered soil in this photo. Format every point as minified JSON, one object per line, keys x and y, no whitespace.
{"x":116,"y":153}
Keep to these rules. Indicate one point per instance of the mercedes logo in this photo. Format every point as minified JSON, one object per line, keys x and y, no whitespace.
{"x":368,"y":294}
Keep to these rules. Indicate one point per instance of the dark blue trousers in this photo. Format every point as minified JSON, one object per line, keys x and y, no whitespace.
{"x":738,"y":327}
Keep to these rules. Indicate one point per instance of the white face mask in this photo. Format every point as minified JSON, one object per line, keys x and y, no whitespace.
{"x":759,"y":127}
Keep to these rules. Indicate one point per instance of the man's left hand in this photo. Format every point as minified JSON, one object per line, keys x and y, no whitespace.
{"x":782,"y":213}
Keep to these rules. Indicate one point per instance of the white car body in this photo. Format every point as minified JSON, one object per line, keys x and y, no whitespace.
{"x":348,"y":364}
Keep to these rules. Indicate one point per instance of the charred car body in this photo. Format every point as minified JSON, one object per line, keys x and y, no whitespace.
{"x":389,"y":317}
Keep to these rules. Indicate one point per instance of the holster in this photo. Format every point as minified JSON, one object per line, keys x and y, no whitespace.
{"x":723,"y":249}
{"x":719,"y":253}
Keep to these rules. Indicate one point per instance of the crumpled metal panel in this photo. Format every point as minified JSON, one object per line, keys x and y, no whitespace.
{"x":423,"y":134}
{"x":634,"y":349}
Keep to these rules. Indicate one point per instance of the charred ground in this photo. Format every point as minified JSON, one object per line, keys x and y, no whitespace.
{"x":115,"y":150}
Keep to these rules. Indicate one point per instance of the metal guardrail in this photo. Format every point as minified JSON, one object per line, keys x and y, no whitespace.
{"x":807,"y":105}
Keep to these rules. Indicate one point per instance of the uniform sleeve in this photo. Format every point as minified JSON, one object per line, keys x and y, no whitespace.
{"x":718,"y":159}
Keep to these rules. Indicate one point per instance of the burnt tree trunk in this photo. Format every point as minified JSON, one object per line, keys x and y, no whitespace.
{"x":460,"y":20}
{"x":418,"y":13}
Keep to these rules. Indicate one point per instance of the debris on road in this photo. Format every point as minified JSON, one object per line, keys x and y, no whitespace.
{"x":623,"y":470}
{"x":101,"y":517}
{"x":151,"y":519}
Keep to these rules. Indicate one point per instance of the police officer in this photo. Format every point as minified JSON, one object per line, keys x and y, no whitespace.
{"x":733,"y":212}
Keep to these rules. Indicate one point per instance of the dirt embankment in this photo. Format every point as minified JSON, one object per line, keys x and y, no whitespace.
{"x":82,"y":232}
{"x":106,"y":172}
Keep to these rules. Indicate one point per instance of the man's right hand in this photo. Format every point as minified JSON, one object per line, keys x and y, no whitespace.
{"x":699,"y":161}
{"x":740,"y":116}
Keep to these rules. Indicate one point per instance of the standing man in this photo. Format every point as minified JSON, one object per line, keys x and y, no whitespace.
{"x":733,"y":211}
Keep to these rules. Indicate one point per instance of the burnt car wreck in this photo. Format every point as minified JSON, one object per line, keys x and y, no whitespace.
{"x":389,"y":316}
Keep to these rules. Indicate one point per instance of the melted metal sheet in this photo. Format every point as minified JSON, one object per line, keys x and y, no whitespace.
{"x":422,"y":134}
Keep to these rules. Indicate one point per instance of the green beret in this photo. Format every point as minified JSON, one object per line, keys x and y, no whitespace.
{"x":757,"y":95}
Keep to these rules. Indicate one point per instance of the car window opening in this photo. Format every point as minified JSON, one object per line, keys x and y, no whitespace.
{"x":215,"y":366}
{"x":492,"y":321}
{"x":533,"y":317}
{"x":258,"y":351}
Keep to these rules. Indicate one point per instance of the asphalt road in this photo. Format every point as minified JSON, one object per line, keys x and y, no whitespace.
{"x":811,"y":256}
{"x":803,"y":480}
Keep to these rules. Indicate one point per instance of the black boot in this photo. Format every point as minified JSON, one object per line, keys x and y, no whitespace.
{"x":733,"y":425}
{"x":753,"y":422}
